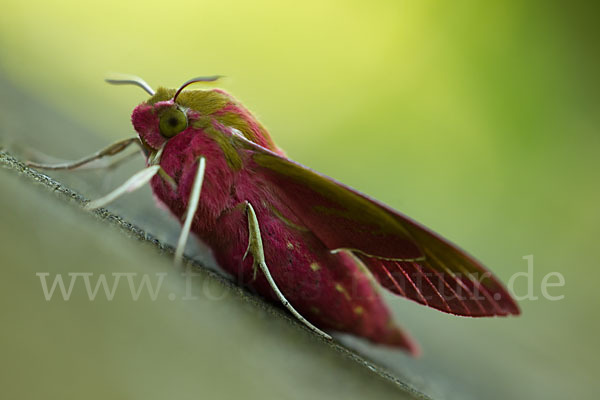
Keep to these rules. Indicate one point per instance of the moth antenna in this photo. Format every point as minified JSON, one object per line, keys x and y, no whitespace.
{"x":194,"y":80}
{"x":124,"y":79}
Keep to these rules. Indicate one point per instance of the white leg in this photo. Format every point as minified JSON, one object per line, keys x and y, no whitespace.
{"x":191,"y":211}
{"x":255,"y":248}
{"x":110,"y":150}
{"x":133,"y":183}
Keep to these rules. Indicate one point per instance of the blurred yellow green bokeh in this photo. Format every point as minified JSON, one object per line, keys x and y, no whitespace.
{"x":478,"y":119}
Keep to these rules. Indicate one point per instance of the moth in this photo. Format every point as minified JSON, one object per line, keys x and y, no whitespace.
{"x":297,"y":237}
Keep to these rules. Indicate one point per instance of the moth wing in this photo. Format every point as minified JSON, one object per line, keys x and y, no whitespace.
{"x":404,"y":256}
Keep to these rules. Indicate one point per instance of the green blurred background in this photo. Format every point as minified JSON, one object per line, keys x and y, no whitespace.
{"x":479,"y":120}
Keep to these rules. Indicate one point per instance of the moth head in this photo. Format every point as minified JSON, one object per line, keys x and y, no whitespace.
{"x":159,"y":122}
{"x":168,"y":112}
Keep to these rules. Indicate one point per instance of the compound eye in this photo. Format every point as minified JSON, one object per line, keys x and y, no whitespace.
{"x":172,"y":121}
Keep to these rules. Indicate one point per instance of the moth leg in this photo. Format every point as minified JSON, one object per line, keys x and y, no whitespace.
{"x":255,"y":248}
{"x":111,"y":163}
{"x":108,"y":151}
{"x":135,"y":182}
{"x":193,"y":202}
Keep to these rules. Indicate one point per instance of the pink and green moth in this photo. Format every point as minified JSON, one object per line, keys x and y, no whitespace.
{"x":293,"y":235}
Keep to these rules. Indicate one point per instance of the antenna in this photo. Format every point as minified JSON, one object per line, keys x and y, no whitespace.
{"x":125,"y":79}
{"x":194,"y":80}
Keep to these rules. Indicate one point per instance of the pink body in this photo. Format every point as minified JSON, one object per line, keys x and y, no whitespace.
{"x":313,"y":229}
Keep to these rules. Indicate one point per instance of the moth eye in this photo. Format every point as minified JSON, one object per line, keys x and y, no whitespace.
{"x":172,"y":121}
